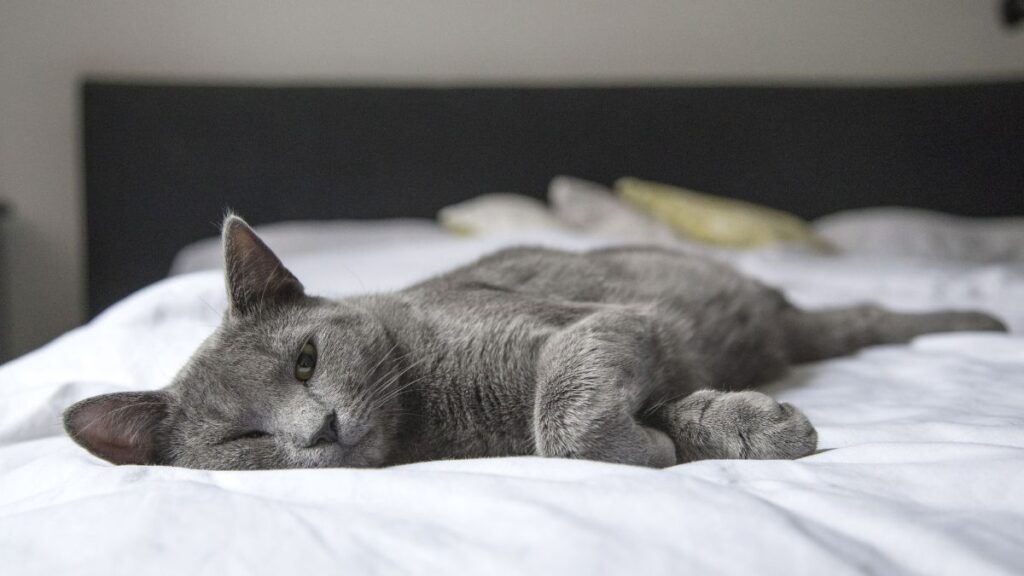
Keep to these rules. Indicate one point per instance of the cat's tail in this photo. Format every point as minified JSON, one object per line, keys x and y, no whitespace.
{"x":821,"y":334}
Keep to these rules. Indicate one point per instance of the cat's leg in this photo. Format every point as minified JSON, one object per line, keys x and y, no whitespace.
{"x":820,"y":334}
{"x":592,"y":379}
{"x":746,"y":425}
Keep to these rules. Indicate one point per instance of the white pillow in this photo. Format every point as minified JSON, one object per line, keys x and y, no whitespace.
{"x":593,"y":209}
{"x":498,"y":213}
{"x":916,"y":233}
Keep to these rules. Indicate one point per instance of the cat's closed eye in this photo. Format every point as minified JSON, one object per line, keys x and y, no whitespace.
{"x":250,"y":435}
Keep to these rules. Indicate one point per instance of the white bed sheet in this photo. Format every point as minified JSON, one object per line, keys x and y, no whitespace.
{"x":922,"y":469}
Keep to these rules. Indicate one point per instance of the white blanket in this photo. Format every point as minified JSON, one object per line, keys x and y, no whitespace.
{"x":922,"y":468}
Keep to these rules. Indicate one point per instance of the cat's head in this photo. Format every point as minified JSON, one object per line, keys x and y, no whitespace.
{"x":286,"y":381}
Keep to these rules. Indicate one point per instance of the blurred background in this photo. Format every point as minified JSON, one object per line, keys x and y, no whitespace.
{"x":48,"y":47}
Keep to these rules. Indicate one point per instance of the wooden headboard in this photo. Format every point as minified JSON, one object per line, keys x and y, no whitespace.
{"x":163,"y":160}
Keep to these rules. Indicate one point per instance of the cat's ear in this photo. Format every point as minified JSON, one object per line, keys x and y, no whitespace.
{"x":121,"y":428}
{"x":255,"y":276}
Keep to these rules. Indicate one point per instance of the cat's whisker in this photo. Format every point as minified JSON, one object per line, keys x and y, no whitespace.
{"x":366,"y":393}
{"x":396,"y":391}
{"x":650,"y":410}
{"x":364,"y":396}
{"x":210,"y":306}
{"x":391,"y":377}
{"x":397,"y":377}
{"x":390,"y":389}
{"x":395,"y":394}
{"x":380,"y":362}
{"x":362,"y":286}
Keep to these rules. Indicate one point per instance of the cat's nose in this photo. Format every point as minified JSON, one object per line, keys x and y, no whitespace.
{"x":327,"y":433}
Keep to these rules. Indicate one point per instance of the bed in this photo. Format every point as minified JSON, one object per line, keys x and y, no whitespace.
{"x":922,"y":445}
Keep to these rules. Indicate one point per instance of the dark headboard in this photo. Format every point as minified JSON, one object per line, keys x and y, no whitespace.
{"x":163,"y":161}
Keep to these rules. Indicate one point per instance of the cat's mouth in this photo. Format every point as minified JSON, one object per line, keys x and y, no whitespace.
{"x":351,"y":435}
{"x":354,"y":447}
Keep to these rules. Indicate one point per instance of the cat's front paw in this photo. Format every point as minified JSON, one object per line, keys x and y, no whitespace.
{"x":748,"y":425}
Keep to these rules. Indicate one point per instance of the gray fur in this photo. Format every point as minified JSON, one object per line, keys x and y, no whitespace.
{"x":640,"y":355}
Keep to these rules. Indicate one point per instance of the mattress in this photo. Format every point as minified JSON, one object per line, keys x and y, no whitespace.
{"x":920,"y":471}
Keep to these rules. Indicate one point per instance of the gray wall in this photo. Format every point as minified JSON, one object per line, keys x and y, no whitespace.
{"x":47,"y":45}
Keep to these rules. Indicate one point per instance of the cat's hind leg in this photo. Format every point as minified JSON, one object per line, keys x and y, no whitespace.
{"x":820,"y":334}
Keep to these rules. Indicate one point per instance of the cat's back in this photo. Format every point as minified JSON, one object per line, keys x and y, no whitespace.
{"x":531,"y":288}
{"x":624,"y":275}
{"x":528,"y":270}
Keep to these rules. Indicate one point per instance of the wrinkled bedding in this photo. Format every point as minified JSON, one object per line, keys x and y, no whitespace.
{"x":921,"y":468}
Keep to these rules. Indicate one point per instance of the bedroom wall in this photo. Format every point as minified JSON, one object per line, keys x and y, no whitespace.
{"x":46,"y":46}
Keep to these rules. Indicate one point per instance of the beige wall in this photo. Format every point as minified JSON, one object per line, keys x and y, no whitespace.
{"x":46,"y":46}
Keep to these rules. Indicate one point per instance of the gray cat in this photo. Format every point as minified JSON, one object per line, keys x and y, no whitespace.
{"x":633,"y":355}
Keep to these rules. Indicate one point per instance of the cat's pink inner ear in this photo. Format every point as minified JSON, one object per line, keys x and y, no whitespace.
{"x":120,"y":428}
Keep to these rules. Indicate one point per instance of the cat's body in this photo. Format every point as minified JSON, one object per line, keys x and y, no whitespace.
{"x":623,"y":355}
{"x":481,"y":331}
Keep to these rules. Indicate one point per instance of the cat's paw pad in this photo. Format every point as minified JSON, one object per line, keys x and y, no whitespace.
{"x":746,"y":425}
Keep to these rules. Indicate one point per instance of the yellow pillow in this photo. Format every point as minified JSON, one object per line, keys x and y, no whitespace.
{"x":717,"y":220}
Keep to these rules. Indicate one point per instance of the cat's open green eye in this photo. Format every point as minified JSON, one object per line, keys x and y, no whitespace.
{"x":305,"y":364}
